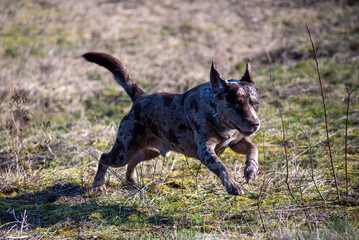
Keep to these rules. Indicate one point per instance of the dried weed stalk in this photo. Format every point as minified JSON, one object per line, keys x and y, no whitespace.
{"x":16,"y":123}
{"x":20,"y":225}
{"x":262,"y":190}
{"x":283,"y":130}
{"x":325,"y":113}
{"x":300,"y":187}
{"x":349,"y":92}
{"x":309,"y":137}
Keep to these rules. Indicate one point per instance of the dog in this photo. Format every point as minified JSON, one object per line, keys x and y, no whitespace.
{"x":200,"y":123}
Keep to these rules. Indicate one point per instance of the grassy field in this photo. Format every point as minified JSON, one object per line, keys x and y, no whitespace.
{"x":58,"y":113}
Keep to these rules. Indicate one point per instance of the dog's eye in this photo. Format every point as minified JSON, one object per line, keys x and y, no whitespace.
{"x":255,"y":105}
{"x":239,"y":103}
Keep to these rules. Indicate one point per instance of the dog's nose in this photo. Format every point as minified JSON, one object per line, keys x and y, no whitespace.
{"x":255,"y":124}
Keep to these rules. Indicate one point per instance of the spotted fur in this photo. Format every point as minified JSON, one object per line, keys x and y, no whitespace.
{"x":200,"y":123}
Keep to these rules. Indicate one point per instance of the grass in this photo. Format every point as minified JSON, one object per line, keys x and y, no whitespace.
{"x":58,"y":114}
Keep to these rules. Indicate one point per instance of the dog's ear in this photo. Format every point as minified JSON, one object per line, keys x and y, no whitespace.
{"x":218,"y":83}
{"x":247,"y":76}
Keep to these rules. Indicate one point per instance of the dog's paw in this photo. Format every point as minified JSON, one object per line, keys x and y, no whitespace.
{"x":99,"y":189}
{"x":132,"y":181}
{"x":233,"y":188}
{"x":99,"y":186}
{"x":250,"y":174}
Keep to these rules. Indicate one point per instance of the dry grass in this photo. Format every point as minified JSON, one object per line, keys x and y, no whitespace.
{"x":58,"y":113}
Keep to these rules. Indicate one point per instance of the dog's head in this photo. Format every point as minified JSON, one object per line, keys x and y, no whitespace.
{"x":237,"y":101}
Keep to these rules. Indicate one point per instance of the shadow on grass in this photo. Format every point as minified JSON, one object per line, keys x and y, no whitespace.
{"x":71,"y":203}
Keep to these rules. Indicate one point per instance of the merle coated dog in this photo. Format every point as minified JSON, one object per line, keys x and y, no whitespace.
{"x":199,"y":123}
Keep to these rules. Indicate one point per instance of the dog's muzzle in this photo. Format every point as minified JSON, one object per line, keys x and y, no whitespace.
{"x":254,"y":127}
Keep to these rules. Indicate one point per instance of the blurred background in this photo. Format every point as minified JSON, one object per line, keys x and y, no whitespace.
{"x":166,"y":45}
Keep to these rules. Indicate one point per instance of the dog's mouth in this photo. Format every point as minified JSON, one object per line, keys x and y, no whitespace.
{"x":243,"y":132}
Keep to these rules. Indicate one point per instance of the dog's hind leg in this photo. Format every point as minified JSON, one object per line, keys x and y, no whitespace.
{"x":153,"y":148}
{"x":245,"y":146}
{"x":142,"y":155}
{"x":130,"y":139}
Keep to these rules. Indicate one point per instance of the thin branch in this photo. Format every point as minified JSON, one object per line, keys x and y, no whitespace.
{"x":261,"y":191}
{"x":293,"y":148}
{"x":283,"y":130}
{"x":321,"y":141}
{"x":346,"y":142}
{"x":290,"y":208}
{"x":300,"y":187}
{"x":270,"y":129}
{"x":308,"y":136}
{"x":259,"y":205}
{"x":261,"y":197}
{"x":325,"y":113}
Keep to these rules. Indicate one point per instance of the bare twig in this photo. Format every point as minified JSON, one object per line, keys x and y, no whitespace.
{"x":261,"y":191}
{"x":300,"y":189}
{"x":9,"y":230}
{"x":259,"y":205}
{"x":291,"y":207}
{"x":325,"y":113}
{"x":293,"y":148}
{"x":321,"y":141}
{"x":261,"y":197}
{"x":270,"y":129}
{"x":308,"y":136}
{"x":283,"y":130}
{"x":346,"y":142}
{"x":187,"y":163}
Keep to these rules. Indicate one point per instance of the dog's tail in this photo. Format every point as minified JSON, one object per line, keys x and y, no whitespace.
{"x":120,"y":73}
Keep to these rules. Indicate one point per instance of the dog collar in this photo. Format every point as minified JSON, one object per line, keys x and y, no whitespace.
{"x":214,"y":113}
{"x":214,"y":106}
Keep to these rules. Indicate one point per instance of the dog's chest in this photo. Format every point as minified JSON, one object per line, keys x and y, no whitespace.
{"x":228,"y":138}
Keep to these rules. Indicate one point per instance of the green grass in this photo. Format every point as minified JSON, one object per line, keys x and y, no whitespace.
{"x":50,"y":143}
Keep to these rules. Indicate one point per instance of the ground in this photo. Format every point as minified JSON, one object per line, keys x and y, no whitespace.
{"x":59,"y":113}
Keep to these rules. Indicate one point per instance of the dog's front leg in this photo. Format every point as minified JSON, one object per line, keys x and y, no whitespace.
{"x":209,"y":158}
{"x":245,"y":146}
